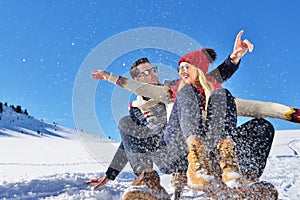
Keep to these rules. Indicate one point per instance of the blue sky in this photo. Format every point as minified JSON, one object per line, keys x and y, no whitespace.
{"x":44,"y":43}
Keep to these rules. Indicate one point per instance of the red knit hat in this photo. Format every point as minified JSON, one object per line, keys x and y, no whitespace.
{"x":202,"y":58}
{"x":198,"y":58}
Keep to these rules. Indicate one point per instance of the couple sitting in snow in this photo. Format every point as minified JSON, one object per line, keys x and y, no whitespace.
{"x":188,"y":128}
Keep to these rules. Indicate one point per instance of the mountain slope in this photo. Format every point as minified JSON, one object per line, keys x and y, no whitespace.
{"x":13,"y":124}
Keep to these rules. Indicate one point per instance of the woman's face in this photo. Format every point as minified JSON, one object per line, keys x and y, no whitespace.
{"x":188,"y":73}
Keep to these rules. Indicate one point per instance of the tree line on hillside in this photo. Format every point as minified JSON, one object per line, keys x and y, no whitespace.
{"x":17,"y":108}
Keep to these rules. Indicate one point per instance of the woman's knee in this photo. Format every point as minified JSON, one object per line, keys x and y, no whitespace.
{"x":221,"y":92}
{"x":187,"y":89}
{"x":188,"y":93}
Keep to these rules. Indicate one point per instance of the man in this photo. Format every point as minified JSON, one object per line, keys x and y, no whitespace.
{"x":148,"y":118}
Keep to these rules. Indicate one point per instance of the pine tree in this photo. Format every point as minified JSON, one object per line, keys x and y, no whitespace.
{"x":18,"y":109}
{"x":1,"y":107}
{"x":12,"y":107}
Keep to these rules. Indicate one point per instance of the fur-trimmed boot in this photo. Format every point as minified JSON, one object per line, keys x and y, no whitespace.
{"x":199,"y":173}
{"x":231,"y":174}
{"x":146,"y":187}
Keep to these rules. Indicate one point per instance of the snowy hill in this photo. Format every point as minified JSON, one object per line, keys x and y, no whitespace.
{"x":56,"y":162}
{"x":13,"y":124}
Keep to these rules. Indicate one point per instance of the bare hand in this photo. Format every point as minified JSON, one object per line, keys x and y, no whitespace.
{"x":240,"y":47}
{"x":98,"y":181}
{"x":100,"y":75}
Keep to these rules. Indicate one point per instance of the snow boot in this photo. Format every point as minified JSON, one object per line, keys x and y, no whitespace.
{"x":231,"y":174}
{"x":146,"y":187}
{"x":293,"y":115}
{"x":199,"y":173}
{"x":179,"y":181}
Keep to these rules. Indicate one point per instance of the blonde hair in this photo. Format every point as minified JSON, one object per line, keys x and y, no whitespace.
{"x":205,"y":83}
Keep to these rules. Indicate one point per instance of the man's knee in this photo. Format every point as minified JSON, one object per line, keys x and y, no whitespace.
{"x":128,"y":126}
{"x":125,"y":121}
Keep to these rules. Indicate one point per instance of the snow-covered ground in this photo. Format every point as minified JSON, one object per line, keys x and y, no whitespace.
{"x":54,"y":163}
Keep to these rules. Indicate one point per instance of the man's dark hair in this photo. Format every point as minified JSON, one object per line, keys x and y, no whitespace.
{"x":133,"y":68}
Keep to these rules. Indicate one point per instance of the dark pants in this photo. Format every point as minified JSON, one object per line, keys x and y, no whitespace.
{"x":169,"y":150}
{"x":187,"y":116}
{"x":145,"y":147}
{"x":253,"y":142}
{"x":253,"y":139}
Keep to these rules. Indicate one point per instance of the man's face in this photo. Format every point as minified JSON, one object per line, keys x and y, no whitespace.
{"x":150,"y":76}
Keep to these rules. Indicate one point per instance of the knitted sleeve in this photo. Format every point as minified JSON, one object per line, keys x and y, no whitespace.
{"x":260,"y":109}
{"x":156,"y":92}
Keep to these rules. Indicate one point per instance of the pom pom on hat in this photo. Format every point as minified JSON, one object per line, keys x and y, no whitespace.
{"x":200,"y":58}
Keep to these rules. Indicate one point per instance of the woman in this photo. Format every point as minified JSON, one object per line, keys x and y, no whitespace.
{"x":206,"y":117}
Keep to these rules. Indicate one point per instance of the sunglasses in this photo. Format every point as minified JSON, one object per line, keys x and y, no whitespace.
{"x":148,"y":71}
{"x":183,"y":66}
